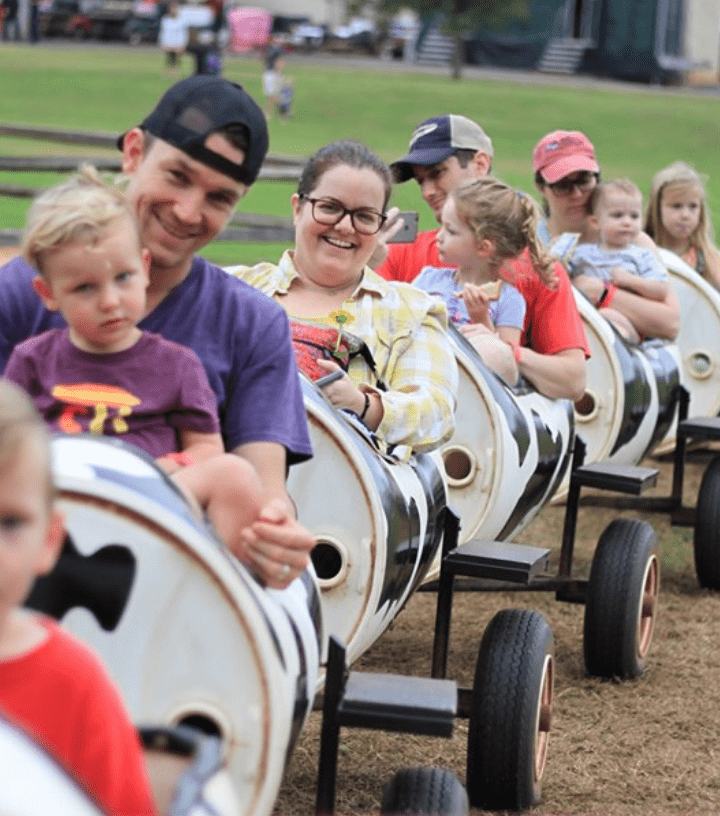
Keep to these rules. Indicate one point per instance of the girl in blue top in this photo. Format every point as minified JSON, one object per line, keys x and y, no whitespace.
{"x":483,"y":225}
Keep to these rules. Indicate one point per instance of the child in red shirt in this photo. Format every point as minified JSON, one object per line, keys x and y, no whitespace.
{"x":50,"y":683}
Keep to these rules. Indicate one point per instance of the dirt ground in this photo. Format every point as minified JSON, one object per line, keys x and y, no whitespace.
{"x":648,"y":746}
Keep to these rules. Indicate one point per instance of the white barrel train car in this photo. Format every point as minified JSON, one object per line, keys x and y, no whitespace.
{"x":185,"y":631}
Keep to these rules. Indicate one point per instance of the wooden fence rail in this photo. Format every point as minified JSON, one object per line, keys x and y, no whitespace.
{"x":246,"y":227}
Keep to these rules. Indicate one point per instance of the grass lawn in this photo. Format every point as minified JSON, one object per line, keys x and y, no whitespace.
{"x":635,"y":133}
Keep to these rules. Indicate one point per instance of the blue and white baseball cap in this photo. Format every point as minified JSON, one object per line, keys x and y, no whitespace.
{"x":436,"y":139}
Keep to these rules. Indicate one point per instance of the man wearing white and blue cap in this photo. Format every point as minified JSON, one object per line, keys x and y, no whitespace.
{"x":444,"y":153}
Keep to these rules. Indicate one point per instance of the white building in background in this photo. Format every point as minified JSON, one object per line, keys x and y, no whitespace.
{"x":702,"y":40}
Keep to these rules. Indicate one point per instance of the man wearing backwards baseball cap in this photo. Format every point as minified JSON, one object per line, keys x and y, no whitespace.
{"x":188,"y":164}
{"x":446,"y":152}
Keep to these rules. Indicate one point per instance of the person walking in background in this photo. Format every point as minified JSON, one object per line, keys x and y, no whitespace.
{"x":173,"y":37}
{"x":285,"y":94}
{"x":271,"y":78}
{"x":10,"y":20}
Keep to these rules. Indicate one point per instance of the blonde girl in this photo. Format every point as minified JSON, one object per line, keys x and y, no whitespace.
{"x":484,"y":225}
{"x":678,"y":219}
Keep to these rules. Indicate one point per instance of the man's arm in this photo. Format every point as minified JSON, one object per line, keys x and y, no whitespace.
{"x":649,"y":288}
{"x":278,"y":540}
{"x":560,"y":375}
{"x":652,"y":318}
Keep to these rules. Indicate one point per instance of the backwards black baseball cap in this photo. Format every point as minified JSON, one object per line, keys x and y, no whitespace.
{"x":200,"y":105}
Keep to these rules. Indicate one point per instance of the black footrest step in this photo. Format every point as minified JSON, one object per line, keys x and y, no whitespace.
{"x":393,"y":702}
{"x":621,"y":478}
{"x":700,"y":427}
{"x":499,"y":560}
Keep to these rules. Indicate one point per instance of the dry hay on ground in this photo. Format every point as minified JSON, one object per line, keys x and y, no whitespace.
{"x":616,"y":749}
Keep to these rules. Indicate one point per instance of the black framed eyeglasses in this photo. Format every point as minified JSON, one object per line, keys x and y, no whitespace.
{"x":583,"y":182}
{"x":330,"y":212}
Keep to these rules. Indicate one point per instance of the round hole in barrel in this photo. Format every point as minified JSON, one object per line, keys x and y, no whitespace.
{"x":327,"y":560}
{"x":586,"y":406}
{"x":460,"y":466}
{"x":701,"y":364}
{"x":202,"y":723}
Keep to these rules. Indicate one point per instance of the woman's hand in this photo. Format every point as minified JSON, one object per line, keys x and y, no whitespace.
{"x":342,"y":393}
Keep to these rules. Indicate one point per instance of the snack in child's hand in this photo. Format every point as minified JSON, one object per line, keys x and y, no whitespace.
{"x":491,"y":289}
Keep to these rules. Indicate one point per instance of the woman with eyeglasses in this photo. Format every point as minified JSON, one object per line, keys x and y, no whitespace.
{"x":566,"y":174}
{"x":385,"y":343}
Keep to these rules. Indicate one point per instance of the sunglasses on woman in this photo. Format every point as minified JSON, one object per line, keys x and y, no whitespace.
{"x":583,"y":182}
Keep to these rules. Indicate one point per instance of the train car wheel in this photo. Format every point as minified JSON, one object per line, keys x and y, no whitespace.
{"x":511,"y":711}
{"x":621,"y":604}
{"x":426,"y":792}
{"x":706,"y":538}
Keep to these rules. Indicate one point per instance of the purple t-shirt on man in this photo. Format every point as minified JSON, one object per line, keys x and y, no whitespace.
{"x":241,"y":337}
{"x":118,"y":394}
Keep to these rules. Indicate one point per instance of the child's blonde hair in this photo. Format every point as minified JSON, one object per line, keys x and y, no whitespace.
{"x":507,"y":217}
{"x":78,"y":209}
{"x":623,"y":185}
{"x":20,"y":420}
{"x":680,"y":174}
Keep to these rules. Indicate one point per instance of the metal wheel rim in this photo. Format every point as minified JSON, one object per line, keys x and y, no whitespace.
{"x":648,"y":606}
{"x":544,"y":716}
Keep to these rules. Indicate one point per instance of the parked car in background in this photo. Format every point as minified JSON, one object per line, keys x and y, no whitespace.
{"x":308,"y":37}
{"x":358,"y":35}
{"x":54,"y":16}
{"x":100,"y":19}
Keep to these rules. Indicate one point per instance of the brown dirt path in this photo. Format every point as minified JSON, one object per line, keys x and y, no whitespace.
{"x":642,"y":748}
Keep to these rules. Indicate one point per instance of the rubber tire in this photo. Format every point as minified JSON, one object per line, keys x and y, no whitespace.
{"x":426,"y":792}
{"x":509,"y":727}
{"x":706,"y":537}
{"x":621,"y":602}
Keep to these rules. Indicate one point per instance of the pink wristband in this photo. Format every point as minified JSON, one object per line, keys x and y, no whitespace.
{"x":607,"y":296}
{"x":180,"y":458}
{"x":516,"y":351}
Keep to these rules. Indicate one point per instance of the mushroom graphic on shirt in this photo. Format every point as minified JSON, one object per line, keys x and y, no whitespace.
{"x":81,"y":396}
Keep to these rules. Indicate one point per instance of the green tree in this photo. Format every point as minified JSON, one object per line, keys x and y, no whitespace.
{"x":461,"y":18}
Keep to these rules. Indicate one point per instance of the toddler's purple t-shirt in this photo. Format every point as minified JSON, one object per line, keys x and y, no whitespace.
{"x":241,"y":337}
{"x":143,"y":395}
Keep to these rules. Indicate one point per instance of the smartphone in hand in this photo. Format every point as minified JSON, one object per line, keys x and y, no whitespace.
{"x":329,"y":378}
{"x":408,"y":232}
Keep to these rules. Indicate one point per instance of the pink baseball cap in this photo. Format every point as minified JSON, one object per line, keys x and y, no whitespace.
{"x":563,"y":152}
